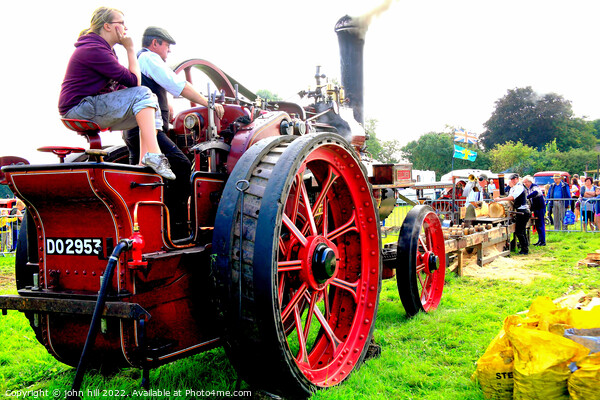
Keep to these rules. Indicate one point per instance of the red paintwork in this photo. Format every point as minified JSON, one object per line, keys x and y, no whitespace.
{"x":431,"y":280}
{"x":7,"y":161}
{"x":89,"y":129}
{"x":99,"y":203}
{"x":262,"y":127}
{"x":61,"y":151}
{"x":343,"y":218}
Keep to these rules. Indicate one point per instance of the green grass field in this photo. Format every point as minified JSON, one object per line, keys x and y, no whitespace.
{"x":430,"y":356}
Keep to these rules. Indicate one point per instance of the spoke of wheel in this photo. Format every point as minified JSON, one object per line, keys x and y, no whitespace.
{"x":326,"y":302}
{"x":293,"y":265}
{"x":420,"y":266}
{"x":281,"y":288}
{"x":424,"y":293}
{"x":310,"y":213}
{"x":428,"y":284}
{"x":309,"y":315}
{"x":331,"y":177}
{"x":298,"y":180}
{"x":294,"y":230}
{"x":325,"y":218}
{"x":302,"y":356}
{"x":423,"y":242}
{"x":342,"y":230}
{"x":297,"y":296}
{"x":350,"y":287}
{"x":282,"y":247}
{"x":333,"y":339}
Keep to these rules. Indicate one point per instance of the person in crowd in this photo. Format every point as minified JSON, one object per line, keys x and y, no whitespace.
{"x":475,"y":195}
{"x":491,"y":187}
{"x":579,"y":183}
{"x":4,"y":230}
{"x":558,"y":195}
{"x":548,"y":204}
{"x":587,"y":191}
{"x":17,"y":211}
{"x":538,"y":208}
{"x":156,"y":75}
{"x":484,"y":187}
{"x":98,"y":88}
{"x":575,"y":189}
{"x":597,"y":208}
{"x":518,"y":195}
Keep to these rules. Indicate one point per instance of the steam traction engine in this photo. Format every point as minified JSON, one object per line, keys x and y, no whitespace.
{"x":283,"y":264}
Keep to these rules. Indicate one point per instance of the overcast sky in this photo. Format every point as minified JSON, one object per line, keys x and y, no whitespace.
{"x":428,"y":63}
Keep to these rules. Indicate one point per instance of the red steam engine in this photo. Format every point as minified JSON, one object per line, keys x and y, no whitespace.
{"x":284,"y":262}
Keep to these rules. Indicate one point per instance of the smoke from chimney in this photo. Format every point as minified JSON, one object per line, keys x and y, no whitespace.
{"x":365,"y":19}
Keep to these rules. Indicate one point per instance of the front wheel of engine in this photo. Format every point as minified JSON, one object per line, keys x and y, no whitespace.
{"x":310,"y":262}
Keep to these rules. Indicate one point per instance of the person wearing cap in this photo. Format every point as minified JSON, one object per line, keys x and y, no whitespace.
{"x":156,"y":75}
{"x":518,"y":195}
{"x":484,"y":186}
{"x":559,"y":196}
{"x":538,"y":208}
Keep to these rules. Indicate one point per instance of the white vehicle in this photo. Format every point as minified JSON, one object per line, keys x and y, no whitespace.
{"x":419,"y":176}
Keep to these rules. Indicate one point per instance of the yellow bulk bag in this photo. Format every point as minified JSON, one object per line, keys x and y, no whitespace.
{"x":542,"y":359}
{"x":584,"y":384}
{"x":495,"y":369}
{"x":582,"y":319}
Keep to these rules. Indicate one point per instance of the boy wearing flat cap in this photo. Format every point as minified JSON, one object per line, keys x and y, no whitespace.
{"x":156,"y":75}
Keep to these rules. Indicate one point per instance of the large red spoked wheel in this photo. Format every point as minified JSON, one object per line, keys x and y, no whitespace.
{"x":311,"y":270}
{"x":421,"y":261}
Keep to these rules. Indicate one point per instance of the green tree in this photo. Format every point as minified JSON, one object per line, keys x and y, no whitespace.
{"x":432,"y":151}
{"x":524,"y":116}
{"x":595,"y":128}
{"x":516,"y":157}
{"x":268,"y":95}
{"x":385,"y":151}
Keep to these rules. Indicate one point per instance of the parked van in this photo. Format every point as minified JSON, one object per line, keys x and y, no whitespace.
{"x":544,"y":178}
{"x":418,"y":177}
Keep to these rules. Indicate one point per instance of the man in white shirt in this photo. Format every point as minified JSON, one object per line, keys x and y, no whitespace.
{"x":156,"y":75}
{"x":518,"y":195}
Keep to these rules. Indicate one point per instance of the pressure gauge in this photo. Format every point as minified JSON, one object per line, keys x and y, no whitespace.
{"x":190,"y":121}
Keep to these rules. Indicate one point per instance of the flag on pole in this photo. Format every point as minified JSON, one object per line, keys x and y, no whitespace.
{"x":460,"y":135}
{"x":464,"y":154}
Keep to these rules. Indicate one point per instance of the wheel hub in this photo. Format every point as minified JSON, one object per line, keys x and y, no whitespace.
{"x":320,"y":263}
{"x":323,"y":263}
{"x":433,"y":262}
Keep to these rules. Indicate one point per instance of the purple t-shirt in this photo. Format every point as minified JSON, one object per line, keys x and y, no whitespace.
{"x":93,"y":69}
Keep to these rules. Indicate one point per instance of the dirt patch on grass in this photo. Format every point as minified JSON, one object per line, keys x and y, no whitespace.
{"x":7,"y":283}
{"x":504,"y":268}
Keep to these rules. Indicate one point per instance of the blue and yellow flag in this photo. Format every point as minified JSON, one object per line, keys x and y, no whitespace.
{"x":464,"y":154}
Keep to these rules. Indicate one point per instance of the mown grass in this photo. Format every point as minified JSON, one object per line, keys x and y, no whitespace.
{"x":431,"y":356}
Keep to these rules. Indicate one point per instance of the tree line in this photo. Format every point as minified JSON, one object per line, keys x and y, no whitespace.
{"x":526,"y":133}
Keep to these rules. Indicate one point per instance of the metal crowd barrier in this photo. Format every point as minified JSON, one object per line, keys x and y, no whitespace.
{"x":9,"y":231}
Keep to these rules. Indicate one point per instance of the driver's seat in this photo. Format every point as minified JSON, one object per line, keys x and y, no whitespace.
{"x":89,"y":129}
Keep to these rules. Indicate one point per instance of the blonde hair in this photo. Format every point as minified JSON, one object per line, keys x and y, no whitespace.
{"x":101,"y":16}
{"x":528,"y":178}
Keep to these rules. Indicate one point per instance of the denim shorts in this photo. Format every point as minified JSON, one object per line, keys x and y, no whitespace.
{"x":117,"y":110}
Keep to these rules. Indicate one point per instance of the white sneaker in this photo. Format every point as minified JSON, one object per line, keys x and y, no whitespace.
{"x":159,"y":163}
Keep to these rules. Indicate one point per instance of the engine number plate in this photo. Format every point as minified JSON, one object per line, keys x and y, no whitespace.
{"x":74,"y":246}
